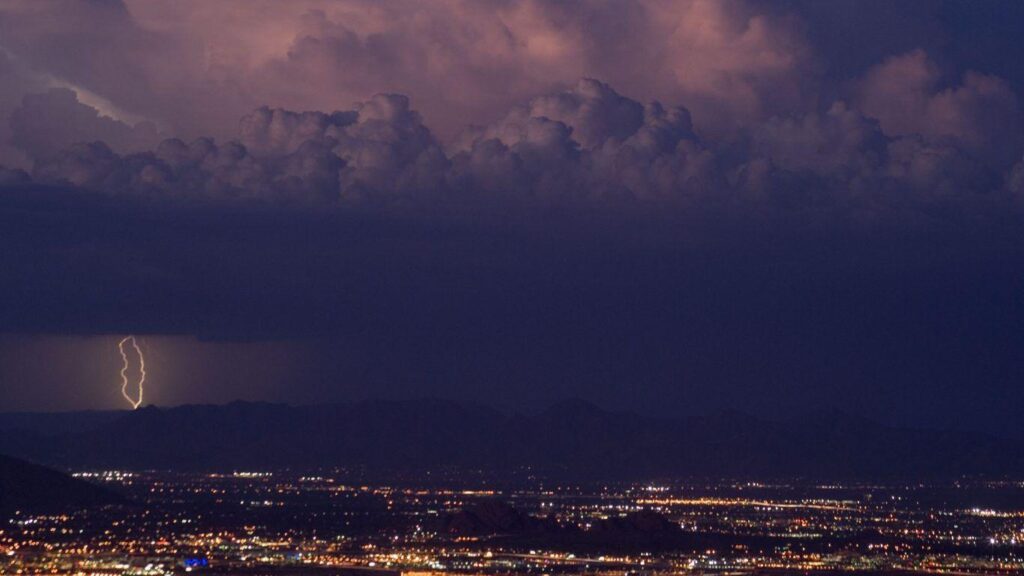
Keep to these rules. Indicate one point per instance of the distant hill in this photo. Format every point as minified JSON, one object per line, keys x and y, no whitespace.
{"x":31,"y":488}
{"x":572,"y":439}
{"x":633,"y":532}
{"x":496,"y":517}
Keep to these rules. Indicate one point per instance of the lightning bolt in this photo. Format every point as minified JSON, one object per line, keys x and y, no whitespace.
{"x":124,"y":370}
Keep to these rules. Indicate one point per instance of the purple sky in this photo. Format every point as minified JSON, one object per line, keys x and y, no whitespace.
{"x":662,"y":204}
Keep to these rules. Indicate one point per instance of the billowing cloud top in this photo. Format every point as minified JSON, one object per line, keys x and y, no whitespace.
{"x":683,"y":103}
{"x":586,"y":144}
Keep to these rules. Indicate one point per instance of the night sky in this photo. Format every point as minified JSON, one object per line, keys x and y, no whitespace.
{"x":667,"y":206}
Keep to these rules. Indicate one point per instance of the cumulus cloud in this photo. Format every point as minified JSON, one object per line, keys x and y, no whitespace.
{"x":588,"y":144}
{"x":382,"y":143}
{"x":938,"y":170}
{"x":193,"y":67}
{"x":591,"y":142}
{"x":981,"y":113}
{"x":722,"y":102}
{"x":201,"y":170}
{"x":839,"y":142}
{"x":845,"y":156}
{"x":380,"y":147}
{"x":592,"y":110}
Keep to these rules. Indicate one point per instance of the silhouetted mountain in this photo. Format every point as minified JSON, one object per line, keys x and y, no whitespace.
{"x":574,"y":439}
{"x":496,"y":517}
{"x":634,"y":532}
{"x":30,"y":488}
{"x":644,"y":522}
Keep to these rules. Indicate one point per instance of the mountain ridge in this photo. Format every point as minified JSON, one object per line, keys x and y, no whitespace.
{"x":574,"y":438}
{"x":29,"y":487}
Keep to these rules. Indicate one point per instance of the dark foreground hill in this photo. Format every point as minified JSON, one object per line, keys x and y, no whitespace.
{"x":497,"y":517}
{"x":573,"y":439}
{"x":640,"y":531}
{"x":27,"y":487}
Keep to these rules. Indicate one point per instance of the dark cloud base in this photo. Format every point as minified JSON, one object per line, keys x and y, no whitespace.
{"x":640,"y":308}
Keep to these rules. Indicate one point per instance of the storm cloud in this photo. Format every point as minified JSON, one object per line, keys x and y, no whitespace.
{"x":585,"y":145}
{"x":688,"y":99}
